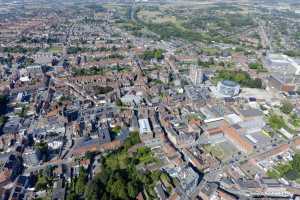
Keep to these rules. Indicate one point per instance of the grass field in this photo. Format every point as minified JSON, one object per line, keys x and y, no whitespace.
{"x":55,"y":49}
{"x":158,"y":17}
{"x":216,"y":151}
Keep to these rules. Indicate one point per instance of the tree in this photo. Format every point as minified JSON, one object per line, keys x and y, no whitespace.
{"x":132,"y":189}
{"x":211,"y":61}
{"x":3,"y":103}
{"x":286,"y":107}
{"x":242,"y":77}
{"x":276,"y":122}
{"x":89,"y":155}
{"x":81,"y":181}
{"x":42,"y":150}
{"x":119,"y":102}
{"x":119,"y":177}
{"x":93,"y":190}
{"x":118,"y":188}
{"x":133,"y":139}
{"x":41,"y":184}
{"x":72,"y":196}
{"x":2,"y":120}
{"x":254,"y":65}
{"x":157,"y":54}
{"x":296,"y":162}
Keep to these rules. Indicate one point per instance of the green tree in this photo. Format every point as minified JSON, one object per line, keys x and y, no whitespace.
{"x":118,"y":188}
{"x":89,"y":155}
{"x":132,"y":189}
{"x":119,"y":102}
{"x":72,"y":196}
{"x":93,"y":190}
{"x":42,"y":182}
{"x":42,"y":150}
{"x":296,"y":162}
{"x":286,"y":107}
{"x":81,"y":181}
{"x":3,"y":120}
{"x":275,"y":121}
{"x":133,"y":139}
{"x":3,"y":103}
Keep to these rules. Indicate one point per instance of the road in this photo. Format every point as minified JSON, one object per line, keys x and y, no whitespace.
{"x":265,"y":42}
{"x":48,"y":164}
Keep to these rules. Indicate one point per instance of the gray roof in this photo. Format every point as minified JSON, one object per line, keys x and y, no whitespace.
{"x":229,"y":83}
{"x":251,"y":113}
{"x":209,"y":188}
{"x":248,"y":183}
{"x":270,"y":182}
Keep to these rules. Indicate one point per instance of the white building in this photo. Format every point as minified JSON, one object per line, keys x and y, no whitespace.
{"x":228,"y":88}
{"x":144,"y":126}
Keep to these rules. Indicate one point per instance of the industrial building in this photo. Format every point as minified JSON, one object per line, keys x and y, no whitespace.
{"x":282,"y":63}
{"x":228,"y":88}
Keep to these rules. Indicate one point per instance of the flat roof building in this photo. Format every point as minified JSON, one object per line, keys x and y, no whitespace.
{"x":144,"y":126}
{"x":233,"y":136}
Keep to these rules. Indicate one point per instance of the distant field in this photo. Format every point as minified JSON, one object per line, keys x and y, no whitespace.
{"x":155,"y":17}
{"x":158,"y":17}
{"x":120,"y":7}
{"x":55,"y":49}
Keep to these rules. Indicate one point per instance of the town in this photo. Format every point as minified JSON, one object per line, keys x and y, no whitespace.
{"x":149,"y":99}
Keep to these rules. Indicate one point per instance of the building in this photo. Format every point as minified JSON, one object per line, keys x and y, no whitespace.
{"x":282,"y":82}
{"x":12,"y":126}
{"x":228,"y":88}
{"x":188,"y":179}
{"x":94,"y":145}
{"x":11,"y":169}
{"x":253,"y":120}
{"x":19,"y":188}
{"x":197,"y":96}
{"x":273,"y":187}
{"x":144,"y":127}
{"x":180,"y":139}
{"x":196,"y":76}
{"x":282,"y":64}
{"x":147,"y":136}
{"x":30,"y":158}
{"x":208,"y":191}
{"x":234,"y":137}
{"x":131,"y":99}
{"x":215,"y":135}
{"x":279,"y":150}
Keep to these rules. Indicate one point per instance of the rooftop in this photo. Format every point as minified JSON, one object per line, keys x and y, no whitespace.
{"x":229,"y":83}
